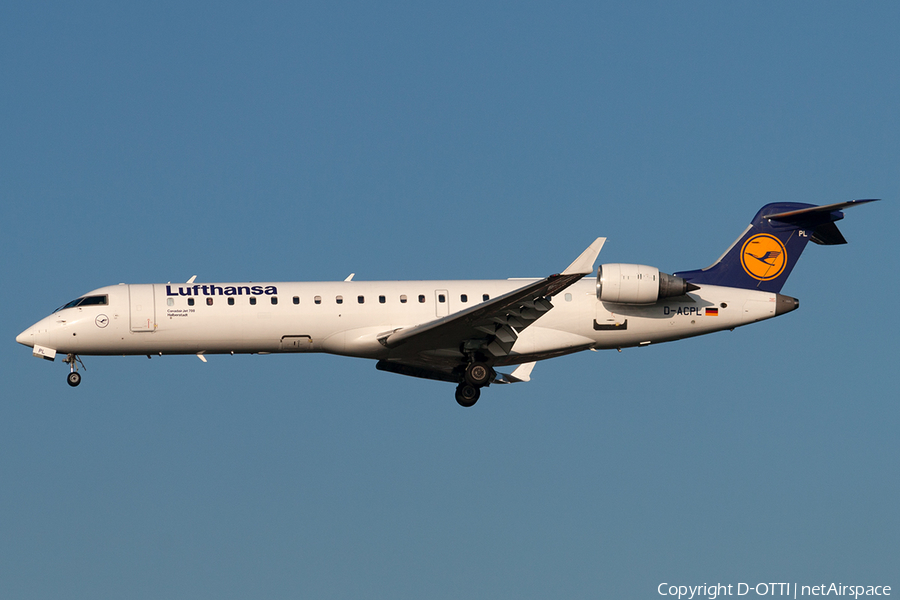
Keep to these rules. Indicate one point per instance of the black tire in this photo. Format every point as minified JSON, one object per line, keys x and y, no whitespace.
{"x":467,"y":395}
{"x":73,"y":379}
{"x":478,"y":374}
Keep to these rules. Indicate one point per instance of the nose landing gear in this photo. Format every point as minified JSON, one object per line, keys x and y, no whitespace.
{"x":74,"y":377}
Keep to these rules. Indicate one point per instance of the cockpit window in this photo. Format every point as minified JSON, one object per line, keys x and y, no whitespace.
{"x":85,"y":301}
{"x":94,"y":301}
{"x":69,"y":305}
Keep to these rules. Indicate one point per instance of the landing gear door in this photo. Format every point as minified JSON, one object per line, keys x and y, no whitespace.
{"x":296,"y":343}
{"x":143,"y":307}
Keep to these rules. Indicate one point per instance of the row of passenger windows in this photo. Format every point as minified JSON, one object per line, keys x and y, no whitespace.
{"x":337,"y":299}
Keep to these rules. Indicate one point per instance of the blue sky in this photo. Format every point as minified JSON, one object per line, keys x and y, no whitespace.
{"x":288,"y":141}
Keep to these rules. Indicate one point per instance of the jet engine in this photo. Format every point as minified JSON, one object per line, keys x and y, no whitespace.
{"x":638,"y":284}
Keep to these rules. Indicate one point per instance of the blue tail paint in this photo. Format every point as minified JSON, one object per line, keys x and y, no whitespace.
{"x":763,"y":257}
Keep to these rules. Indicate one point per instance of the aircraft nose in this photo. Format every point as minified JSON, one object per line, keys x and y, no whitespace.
{"x":26,"y":338}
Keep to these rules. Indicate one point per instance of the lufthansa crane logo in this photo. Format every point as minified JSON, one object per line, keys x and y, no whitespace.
{"x":763,"y":257}
{"x":101,"y":321}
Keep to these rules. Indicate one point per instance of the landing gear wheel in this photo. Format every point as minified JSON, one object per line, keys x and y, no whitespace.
{"x":478,"y":374}
{"x":467,"y":394}
{"x":73,"y":379}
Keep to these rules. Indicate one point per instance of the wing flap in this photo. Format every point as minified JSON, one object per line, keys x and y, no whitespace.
{"x":522,"y":374}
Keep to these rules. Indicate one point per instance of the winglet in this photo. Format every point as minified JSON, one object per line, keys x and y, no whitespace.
{"x":585,"y":263}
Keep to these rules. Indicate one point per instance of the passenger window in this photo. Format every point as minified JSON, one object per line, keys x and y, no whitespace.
{"x":296,"y":299}
{"x":422,"y":298}
{"x":318,"y":299}
{"x":252,"y":301}
{"x":382,"y":299}
{"x":402,"y":298}
{"x":361,"y":299}
{"x":463,"y":298}
{"x":209,"y":301}
{"x":568,"y":297}
{"x":230,"y":300}
{"x":442,"y":298}
{"x":274,"y":299}
{"x":190,"y":301}
{"x":339,"y":299}
{"x":170,"y":301}
{"x":485,"y":298}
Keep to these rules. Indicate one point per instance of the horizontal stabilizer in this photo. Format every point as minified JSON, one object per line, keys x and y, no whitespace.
{"x":820,"y":220}
{"x":807,"y":215}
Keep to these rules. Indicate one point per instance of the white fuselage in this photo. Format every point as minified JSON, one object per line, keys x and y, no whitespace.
{"x":347,"y":318}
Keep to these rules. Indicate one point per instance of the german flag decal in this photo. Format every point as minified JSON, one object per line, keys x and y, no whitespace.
{"x":711,"y":312}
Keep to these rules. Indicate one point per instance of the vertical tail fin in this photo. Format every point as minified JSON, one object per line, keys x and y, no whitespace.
{"x":764,"y":255}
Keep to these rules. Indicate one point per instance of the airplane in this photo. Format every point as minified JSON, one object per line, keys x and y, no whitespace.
{"x":455,"y":331}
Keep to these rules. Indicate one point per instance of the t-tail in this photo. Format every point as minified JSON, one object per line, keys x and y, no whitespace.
{"x":763,"y":257}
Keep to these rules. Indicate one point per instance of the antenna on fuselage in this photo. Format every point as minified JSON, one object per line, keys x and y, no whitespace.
{"x":191,"y":280}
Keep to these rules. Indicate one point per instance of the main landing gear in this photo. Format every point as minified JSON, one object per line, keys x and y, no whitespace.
{"x":467,"y":394}
{"x":74,"y":377}
{"x":477,"y":375}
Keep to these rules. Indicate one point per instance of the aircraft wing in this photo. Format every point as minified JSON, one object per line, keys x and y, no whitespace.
{"x":492,"y":327}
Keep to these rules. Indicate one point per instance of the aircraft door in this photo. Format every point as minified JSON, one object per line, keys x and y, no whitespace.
{"x":441,"y":303}
{"x":143,"y":307}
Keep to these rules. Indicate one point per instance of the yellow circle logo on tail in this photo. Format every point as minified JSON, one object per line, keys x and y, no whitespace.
{"x":763,"y":257}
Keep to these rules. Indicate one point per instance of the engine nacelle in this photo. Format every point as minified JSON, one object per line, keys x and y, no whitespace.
{"x":637,"y":284}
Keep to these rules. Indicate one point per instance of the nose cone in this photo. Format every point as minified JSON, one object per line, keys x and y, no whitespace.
{"x":26,"y":338}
